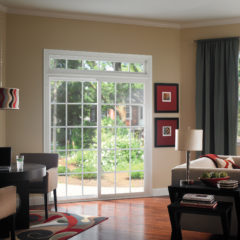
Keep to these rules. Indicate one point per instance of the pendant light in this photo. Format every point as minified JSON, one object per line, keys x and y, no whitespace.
{"x":9,"y":98}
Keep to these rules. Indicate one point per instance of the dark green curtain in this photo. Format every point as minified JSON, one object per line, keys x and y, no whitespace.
{"x":217,"y":94}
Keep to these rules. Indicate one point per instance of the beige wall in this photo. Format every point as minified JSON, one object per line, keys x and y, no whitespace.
{"x":173,"y":54}
{"x":2,"y":75}
{"x":188,"y":56}
{"x":27,"y":36}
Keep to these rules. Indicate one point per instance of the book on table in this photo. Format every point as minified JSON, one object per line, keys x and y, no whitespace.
{"x":198,"y":197}
{"x":198,"y":204}
{"x":198,"y":200}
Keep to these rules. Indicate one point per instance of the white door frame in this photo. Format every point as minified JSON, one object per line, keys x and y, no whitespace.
{"x":145,"y":78}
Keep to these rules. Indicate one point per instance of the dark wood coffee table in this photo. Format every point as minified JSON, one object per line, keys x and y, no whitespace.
{"x":20,"y":179}
{"x":177,"y":191}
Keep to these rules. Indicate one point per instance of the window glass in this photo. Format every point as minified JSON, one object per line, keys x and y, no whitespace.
{"x":106,"y":66}
{"x":61,"y":63}
{"x":136,"y":67}
{"x":90,"y":65}
{"x":123,"y":92}
{"x":90,"y":92}
{"x":74,"y":64}
{"x":74,"y":92}
{"x":57,"y":63}
{"x":58,"y":91}
{"x":108,"y":92}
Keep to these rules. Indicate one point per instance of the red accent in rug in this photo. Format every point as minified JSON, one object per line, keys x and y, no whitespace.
{"x":58,"y":226}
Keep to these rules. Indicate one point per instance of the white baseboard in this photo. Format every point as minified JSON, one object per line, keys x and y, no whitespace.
{"x":156,"y":192}
{"x":39,"y":200}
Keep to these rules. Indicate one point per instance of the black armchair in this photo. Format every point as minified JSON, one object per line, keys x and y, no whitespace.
{"x":47,"y":183}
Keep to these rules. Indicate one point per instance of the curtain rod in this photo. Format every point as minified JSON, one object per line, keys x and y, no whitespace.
{"x":209,"y":39}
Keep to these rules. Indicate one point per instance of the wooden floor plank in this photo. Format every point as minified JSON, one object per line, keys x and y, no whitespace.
{"x":129,"y":219}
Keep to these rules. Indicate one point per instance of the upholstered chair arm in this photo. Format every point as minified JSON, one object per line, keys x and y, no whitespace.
{"x":52,"y":174}
{"x":8,"y":201}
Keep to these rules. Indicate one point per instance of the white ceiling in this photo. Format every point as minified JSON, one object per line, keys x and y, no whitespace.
{"x":176,"y":11}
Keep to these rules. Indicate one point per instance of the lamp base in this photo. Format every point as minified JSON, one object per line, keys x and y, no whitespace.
{"x":186,"y":182}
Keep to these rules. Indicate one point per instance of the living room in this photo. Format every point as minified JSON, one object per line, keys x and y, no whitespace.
{"x":24,"y":36}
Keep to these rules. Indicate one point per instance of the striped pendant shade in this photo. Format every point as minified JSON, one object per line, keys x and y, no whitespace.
{"x":9,"y":98}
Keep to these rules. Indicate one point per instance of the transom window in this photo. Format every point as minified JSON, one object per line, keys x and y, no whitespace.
{"x":82,"y":64}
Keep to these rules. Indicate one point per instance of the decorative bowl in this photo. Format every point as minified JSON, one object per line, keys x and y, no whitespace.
{"x":213,"y":181}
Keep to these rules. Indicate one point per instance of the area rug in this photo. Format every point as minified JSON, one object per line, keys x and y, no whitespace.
{"x":58,"y":226}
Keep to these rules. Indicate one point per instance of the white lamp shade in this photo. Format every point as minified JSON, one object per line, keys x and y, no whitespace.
{"x":188,"y":140}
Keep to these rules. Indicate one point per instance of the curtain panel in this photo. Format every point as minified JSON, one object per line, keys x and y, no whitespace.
{"x":217,"y":94}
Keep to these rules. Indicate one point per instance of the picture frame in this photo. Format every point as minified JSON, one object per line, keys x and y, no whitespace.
{"x":166,"y":97}
{"x":165,"y":131}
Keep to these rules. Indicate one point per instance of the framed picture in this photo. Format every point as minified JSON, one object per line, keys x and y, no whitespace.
{"x":165,"y":131}
{"x":166,"y":97}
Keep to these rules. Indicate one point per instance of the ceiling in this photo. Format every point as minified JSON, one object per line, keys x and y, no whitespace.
{"x":171,"y":11}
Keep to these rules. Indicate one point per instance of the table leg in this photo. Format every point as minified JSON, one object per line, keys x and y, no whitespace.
{"x":175,"y":223}
{"x":237,"y":206}
{"x":225,"y":224}
{"x":173,"y":195}
{"x":4,"y":228}
{"x":22,"y":216}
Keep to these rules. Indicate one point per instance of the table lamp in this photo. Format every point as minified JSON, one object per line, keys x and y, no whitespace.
{"x":188,"y":140}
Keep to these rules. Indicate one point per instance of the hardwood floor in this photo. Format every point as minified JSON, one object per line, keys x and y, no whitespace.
{"x":129,"y":219}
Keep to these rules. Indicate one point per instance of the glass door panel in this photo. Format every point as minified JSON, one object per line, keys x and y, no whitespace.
{"x":74,"y":136}
{"x":122,"y":138}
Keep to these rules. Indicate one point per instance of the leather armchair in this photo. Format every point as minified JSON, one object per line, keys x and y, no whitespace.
{"x":47,"y":183}
{"x":8,"y":205}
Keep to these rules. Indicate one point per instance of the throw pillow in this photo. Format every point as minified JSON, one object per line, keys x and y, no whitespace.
{"x":225,"y":163}
{"x":213,"y":157}
{"x":234,"y":165}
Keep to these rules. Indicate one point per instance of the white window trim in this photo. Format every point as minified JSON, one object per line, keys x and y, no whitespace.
{"x":145,"y":77}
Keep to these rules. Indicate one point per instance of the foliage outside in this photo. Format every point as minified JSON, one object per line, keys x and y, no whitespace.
{"x":82,"y":142}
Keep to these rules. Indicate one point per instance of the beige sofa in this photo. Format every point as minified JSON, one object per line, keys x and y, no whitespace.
{"x":203,"y":223}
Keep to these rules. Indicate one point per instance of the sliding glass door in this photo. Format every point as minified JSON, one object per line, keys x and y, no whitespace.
{"x":99,"y":126}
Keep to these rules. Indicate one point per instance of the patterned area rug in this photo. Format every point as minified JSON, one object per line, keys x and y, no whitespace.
{"x":58,"y":226}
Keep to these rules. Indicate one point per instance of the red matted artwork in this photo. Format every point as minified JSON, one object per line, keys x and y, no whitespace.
{"x":165,"y":131}
{"x":166,"y":97}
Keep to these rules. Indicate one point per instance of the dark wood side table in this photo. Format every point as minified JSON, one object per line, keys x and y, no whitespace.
{"x":223,"y":210}
{"x":20,"y":179}
{"x":177,"y":191}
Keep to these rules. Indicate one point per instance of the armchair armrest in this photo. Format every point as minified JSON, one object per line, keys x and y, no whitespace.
{"x":52,"y":175}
